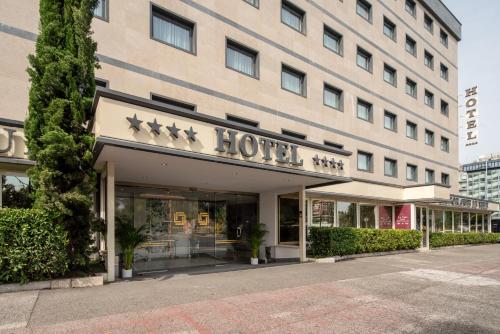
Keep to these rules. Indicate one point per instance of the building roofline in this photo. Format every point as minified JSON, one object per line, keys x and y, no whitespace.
{"x":444,"y":15}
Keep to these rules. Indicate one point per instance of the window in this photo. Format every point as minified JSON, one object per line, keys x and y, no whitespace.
{"x":365,"y":161}
{"x":411,"y":130}
{"x":411,"y":7}
{"x":241,"y":58}
{"x":173,"y":30}
{"x":242,"y":120}
{"x":254,"y":3}
{"x":101,"y":9}
{"x":444,"y":72}
{"x":364,"y":110}
{"x":390,"y":75}
{"x":390,"y":121}
{"x":15,"y":190}
{"x":288,"y":219}
{"x":293,"y":80}
{"x":411,"y":46}
{"x":390,"y":167}
{"x":445,"y":144}
{"x":429,"y":99}
{"x":445,"y":179}
{"x":293,"y":16}
{"x":347,"y":215}
{"x":429,"y":137}
{"x":411,"y":88}
{"x":101,"y":83}
{"x":334,"y":145}
{"x":293,"y":134}
{"x":169,"y":101}
{"x":445,"y":108}
{"x":428,"y":23}
{"x":443,"y":37}
{"x":332,"y":97}
{"x":411,"y":173}
{"x":364,"y":59}
{"x":389,"y":29}
{"x":429,"y":176}
{"x":332,"y":40}
{"x":364,"y":9}
{"x":429,"y":60}
{"x":367,"y":216}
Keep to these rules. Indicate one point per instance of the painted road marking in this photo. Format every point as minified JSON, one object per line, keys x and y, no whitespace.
{"x":451,"y":277}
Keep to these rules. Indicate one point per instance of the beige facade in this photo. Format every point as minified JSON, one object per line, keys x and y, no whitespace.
{"x":136,"y":65}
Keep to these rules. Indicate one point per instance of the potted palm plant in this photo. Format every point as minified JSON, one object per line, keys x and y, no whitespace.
{"x":129,"y":238}
{"x":256,"y":233}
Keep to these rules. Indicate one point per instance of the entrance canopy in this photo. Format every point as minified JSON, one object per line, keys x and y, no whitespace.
{"x":159,"y":144}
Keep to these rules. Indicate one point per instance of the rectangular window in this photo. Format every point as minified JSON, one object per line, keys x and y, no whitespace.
{"x":411,"y":173}
{"x":364,"y":59}
{"x":428,"y":23}
{"x":15,"y":189}
{"x":429,"y":99}
{"x":365,"y":162}
{"x":293,"y":80}
{"x":332,"y":97}
{"x":445,"y":144}
{"x":429,"y":60}
{"x":347,"y":215}
{"x":176,"y":103}
{"x":390,"y":75}
{"x":241,"y":58}
{"x":293,"y":134}
{"x":293,"y":16}
{"x":389,"y":29}
{"x":429,"y":176}
{"x":364,"y":110}
{"x":411,"y":130}
{"x":254,"y":3}
{"x":173,"y":30}
{"x":445,"y":179}
{"x":332,"y":144}
{"x":411,"y":7}
{"x":390,"y":167}
{"x":411,"y":88}
{"x":444,"y":72}
{"x":242,"y":120}
{"x":101,"y":83}
{"x":390,"y":121}
{"x":443,"y":37}
{"x":101,"y":9}
{"x":364,"y":9}
{"x":367,"y":216}
{"x":411,"y":46}
{"x":429,"y":137}
{"x":332,"y":40}
{"x":288,"y":213}
{"x":445,"y":108}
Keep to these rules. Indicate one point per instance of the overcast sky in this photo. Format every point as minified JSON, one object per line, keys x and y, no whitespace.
{"x":479,"y":63}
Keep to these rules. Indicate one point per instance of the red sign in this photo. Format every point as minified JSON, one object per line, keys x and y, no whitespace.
{"x":385,"y":217}
{"x":403,"y":217}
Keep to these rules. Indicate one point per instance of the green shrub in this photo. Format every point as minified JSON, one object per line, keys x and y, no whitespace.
{"x":451,"y":239}
{"x":32,"y":246}
{"x":339,"y":241}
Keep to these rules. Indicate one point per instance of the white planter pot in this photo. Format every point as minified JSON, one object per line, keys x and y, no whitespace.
{"x":126,"y":273}
{"x":254,"y":261}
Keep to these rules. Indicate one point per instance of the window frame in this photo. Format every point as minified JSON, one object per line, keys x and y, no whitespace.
{"x":360,"y":50}
{"x":412,"y":12}
{"x":367,"y":5}
{"x":239,"y":47}
{"x":415,"y":51}
{"x":433,"y":176}
{"x":429,"y":19}
{"x":329,"y":87}
{"x":370,"y":110}
{"x":370,"y":161}
{"x":428,"y":93}
{"x":105,"y":18}
{"x":408,"y":165}
{"x":394,"y":75}
{"x":297,"y":11}
{"x":395,"y":120}
{"x":174,"y":18}
{"x":408,"y":80}
{"x":445,"y":139}
{"x":442,"y":34}
{"x":289,"y":69}
{"x":447,"y":183}
{"x":428,"y":55}
{"x":393,"y":26}
{"x":293,"y":134}
{"x":242,"y":120}
{"x":255,"y":5}
{"x":170,"y":101}
{"x":410,"y":123}
{"x":446,"y":72}
{"x":332,"y":144}
{"x":432,"y":136}
{"x":327,"y":30}
{"x":395,"y":167}
{"x":447,"y":105}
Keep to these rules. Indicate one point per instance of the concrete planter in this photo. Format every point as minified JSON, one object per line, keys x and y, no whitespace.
{"x":254,"y":261}
{"x":64,"y":283}
{"x":126,"y":273}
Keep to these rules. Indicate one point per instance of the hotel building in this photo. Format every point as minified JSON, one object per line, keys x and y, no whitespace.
{"x":212,"y":115}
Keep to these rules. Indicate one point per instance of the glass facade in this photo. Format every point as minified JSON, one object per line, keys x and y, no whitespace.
{"x":367,"y":216}
{"x":347,"y":214}
{"x":186,"y":227}
{"x":289,"y":219}
{"x":15,"y":188}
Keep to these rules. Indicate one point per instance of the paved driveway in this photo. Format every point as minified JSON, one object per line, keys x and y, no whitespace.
{"x":454,"y":290}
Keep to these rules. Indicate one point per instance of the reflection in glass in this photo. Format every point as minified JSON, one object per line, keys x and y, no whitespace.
{"x":448,"y":222}
{"x":473,"y":222}
{"x":465,"y":222}
{"x":15,"y":192}
{"x":347,"y":214}
{"x":323,"y":213}
{"x":288,"y":219}
{"x":457,"y":228}
{"x":438,"y":221}
{"x":367,"y":216}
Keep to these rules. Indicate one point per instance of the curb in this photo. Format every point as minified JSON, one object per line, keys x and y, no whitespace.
{"x":463,"y":246}
{"x":334,"y":259}
{"x":62,"y":283}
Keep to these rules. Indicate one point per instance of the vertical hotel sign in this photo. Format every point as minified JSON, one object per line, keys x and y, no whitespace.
{"x":471,"y":116}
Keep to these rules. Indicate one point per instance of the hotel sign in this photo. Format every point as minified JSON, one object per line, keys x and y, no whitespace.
{"x":6,"y":146}
{"x":467,"y":203}
{"x":471,"y":116}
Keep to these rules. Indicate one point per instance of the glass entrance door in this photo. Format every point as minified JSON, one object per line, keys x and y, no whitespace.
{"x":422,"y":224}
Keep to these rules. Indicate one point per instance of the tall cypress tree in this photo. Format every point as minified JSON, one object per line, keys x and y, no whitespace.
{"x":60,"y":99}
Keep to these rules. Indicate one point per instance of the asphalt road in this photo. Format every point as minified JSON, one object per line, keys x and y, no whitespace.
{"x":454,"y":290}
